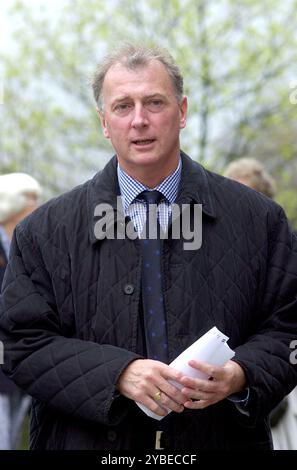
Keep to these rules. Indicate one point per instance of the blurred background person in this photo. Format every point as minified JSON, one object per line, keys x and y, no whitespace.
{"x":252,"y":173}
{"x":19,"y":196}
{"x":283,"y":418}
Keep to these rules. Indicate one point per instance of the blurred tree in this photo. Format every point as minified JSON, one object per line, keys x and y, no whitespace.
{"x":238,"y":58}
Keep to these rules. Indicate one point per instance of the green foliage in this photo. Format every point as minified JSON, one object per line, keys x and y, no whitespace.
{"x":288,"y":199}
{"x":237,"y":56}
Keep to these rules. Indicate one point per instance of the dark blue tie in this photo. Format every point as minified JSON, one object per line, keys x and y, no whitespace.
{"x":152,"y":292}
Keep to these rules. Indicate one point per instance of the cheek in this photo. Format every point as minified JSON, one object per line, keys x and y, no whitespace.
{"x":169,"y":124}
{"x":117,"y":128}
{"x":118,"y":135}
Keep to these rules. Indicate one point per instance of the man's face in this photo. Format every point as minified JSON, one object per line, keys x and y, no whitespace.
{"x":142,"y":118}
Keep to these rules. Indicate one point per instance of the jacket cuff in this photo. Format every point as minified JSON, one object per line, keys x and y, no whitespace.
{"x":118,"y":404}
{"x":241,"y":400}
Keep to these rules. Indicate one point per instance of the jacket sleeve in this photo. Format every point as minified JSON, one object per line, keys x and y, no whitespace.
{"x":75,"y":376}
{"x":266,"y":356}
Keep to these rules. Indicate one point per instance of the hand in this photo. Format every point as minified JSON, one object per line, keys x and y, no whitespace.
{"x":144,"y":378}
{"x":222,"y":382}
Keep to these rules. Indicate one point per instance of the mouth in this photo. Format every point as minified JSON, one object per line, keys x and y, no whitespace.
{"x":143,"y":142}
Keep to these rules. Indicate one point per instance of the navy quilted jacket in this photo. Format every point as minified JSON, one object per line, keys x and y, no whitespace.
{"x":70,"y":315}
{"x":3,"y":263}
{"x":6,"y":385}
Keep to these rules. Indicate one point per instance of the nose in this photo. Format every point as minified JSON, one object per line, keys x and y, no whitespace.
{"x":140,"y":118}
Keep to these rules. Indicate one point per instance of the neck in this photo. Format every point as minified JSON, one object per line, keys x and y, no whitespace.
{"x":151,"y":177}
{"x":151,"y":182}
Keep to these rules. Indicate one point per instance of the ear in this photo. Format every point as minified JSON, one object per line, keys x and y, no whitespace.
{"x":103,"y":123}
{"x":183,"y":112}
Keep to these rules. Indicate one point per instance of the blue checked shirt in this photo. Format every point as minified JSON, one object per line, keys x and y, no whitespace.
{"x":135,"y":208}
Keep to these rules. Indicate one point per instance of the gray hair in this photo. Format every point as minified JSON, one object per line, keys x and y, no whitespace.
{"x":133,"y":56}
{"x":254,"y":173}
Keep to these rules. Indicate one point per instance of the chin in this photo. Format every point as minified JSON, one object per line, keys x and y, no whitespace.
{"x":146,"y":159}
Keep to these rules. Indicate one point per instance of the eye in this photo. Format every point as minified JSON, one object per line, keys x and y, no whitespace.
{"x":155,"y":105}
{"x":156,"y":102}
{"x":122,"y":108}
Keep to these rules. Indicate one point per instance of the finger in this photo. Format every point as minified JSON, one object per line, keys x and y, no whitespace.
{"x":209,"y":369}
{"x":166,"y":401}
{"x":203,"y":385}
{"x":155,"y":406}
{"x":171,"y":374}
{"x":172,"y":384}
{"x":173,"y":392}
{"x":197,"y":394}
{"x":197,"y":404}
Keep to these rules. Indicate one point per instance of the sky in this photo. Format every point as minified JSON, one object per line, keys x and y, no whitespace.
{"x":3,"y":27}
{"x":6,"y":26}
{"x":5,"y":20}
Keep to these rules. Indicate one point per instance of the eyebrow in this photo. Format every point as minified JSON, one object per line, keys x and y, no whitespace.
{"x":128,"y":97}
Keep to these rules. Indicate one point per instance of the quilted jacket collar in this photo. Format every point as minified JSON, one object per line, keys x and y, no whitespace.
{"x":104,"y":189}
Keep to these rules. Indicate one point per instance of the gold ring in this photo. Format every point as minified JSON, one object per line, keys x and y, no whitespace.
{"x":157,"y":396}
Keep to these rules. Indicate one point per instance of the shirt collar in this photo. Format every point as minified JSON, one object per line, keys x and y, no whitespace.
{"x":131,"y":188}
{"x":196,"y":185}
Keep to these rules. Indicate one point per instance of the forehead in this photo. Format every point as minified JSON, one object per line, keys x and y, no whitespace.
{"x":144,"y":79}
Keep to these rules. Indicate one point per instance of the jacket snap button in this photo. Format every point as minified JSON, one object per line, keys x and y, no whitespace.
{"x":129,"y":289}
{"x":111,"y":436}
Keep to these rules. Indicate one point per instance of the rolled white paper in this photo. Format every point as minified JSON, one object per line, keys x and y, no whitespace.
{"x":212,"y":348}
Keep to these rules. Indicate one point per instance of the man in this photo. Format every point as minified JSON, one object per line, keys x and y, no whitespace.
{"x":19,"y":195}
{"x":74,"y":313}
